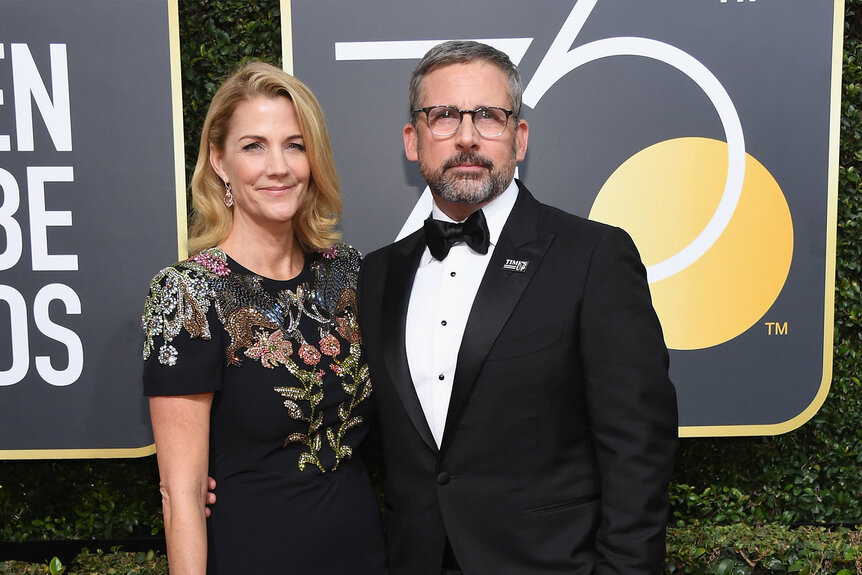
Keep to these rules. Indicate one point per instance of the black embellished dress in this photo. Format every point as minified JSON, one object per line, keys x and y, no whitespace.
{"x":291,"y":405}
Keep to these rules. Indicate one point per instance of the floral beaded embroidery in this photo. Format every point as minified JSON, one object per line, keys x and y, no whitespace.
{"x":356,"y":383}
{"x":271,"y":349}
{"x":180,"y":298}
{"x":265,"y":328}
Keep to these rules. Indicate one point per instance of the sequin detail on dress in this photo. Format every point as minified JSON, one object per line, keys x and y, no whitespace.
{"x":265,"y":327}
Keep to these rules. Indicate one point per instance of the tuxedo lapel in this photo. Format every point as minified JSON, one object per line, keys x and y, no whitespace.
{"x":498,"y":294}
{"x":403,"y":261}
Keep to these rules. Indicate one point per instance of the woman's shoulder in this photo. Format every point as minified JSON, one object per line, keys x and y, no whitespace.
{"x":180,"y":297}
{"x":206,"y":264}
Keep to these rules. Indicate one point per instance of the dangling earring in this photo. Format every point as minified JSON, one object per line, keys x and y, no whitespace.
{"x":228,"y":197}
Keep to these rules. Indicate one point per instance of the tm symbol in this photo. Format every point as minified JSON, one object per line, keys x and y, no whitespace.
{"x":776,"y":328}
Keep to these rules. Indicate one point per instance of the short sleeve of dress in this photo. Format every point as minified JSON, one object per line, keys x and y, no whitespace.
{"x":183,"y":351}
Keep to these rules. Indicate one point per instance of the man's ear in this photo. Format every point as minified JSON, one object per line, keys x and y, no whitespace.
{"x":411,"y":143}
{"x":522,"y":134}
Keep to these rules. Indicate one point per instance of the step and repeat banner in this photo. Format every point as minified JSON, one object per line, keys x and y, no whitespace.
{"x":91,"y":186}
{"x":708,"y":129}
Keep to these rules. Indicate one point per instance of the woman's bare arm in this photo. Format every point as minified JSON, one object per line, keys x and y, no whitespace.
{"x":181,"y":429}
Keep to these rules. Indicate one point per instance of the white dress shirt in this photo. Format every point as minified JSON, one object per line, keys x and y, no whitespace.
{"x":440,"y":303}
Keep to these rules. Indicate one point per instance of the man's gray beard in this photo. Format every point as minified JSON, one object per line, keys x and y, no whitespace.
{"x":470,"y":190}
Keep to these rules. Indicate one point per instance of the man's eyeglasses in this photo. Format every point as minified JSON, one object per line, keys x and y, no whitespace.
{"x":490,"y":121}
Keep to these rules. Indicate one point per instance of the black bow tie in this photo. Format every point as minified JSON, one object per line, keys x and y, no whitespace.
{"x":440,"y":236}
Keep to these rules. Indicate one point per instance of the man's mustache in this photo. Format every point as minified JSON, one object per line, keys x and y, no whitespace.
{"x":468,"y":159}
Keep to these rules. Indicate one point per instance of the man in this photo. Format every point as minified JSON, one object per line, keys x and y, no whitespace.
{"x":520,"y":375}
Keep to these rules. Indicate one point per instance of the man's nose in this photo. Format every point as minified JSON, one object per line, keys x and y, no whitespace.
{"x":467,"y":135}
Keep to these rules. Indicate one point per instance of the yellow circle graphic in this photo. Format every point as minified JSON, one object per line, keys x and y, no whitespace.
{"x":663,"y":196}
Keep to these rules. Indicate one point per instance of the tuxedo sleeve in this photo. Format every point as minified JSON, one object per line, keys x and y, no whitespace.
{"x":632,"y":407}
{"x":371,"y":449}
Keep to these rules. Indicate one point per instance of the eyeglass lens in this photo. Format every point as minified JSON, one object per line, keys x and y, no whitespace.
{"x":444,"y":120}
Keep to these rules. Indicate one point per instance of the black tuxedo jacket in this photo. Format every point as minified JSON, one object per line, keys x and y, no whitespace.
{"x":562,"y":426}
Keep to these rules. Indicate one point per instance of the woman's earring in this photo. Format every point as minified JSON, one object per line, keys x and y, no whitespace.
{"x":228,"y":197}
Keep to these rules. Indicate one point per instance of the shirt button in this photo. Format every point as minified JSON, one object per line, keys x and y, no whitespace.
{"x":443,"y":477}
{"x":443,"y":322}
{"x":441,"y":377}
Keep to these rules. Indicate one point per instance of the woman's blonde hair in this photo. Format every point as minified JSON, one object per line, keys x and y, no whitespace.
{"x":315,"y":220}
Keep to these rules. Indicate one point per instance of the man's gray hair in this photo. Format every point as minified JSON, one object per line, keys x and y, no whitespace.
{"x":465,"y":52}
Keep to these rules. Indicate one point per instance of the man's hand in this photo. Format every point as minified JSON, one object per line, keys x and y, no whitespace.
{"x":210,"y":498}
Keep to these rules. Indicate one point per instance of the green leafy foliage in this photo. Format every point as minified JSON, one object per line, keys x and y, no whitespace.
{"x":700,"y":550}
{"x":768,"y":549}
{"x":114,"y":562}
{"x":102,"y":499}
{"x":118,"y":562}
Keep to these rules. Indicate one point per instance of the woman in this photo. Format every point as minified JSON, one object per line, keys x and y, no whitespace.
{"x":253,"y":358}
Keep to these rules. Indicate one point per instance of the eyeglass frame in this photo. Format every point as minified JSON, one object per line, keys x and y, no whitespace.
{"x":426,"y":109}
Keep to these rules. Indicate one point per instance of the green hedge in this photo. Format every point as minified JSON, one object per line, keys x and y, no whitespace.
{"x":811,"y":475}
{"x":114,"y":562}
{"x":100,"y":499}
{"x":767,"y":549}
{"x":719,"y":550}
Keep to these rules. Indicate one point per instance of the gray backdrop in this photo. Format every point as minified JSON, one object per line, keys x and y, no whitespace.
{"x":122,"y":202}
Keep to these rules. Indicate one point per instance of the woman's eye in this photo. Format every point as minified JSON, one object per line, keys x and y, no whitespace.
{"x":253,"y":146}
{"x":296,"y":146}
